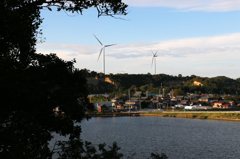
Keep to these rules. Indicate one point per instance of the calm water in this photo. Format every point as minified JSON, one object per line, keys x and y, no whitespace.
{"x":176,"y":137}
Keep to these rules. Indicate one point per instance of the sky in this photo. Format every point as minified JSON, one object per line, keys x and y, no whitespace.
{"x":191,"y":37}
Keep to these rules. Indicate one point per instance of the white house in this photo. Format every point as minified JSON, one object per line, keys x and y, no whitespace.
{"x":190,"y":108}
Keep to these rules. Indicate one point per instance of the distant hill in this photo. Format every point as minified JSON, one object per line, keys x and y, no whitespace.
{"x":100,"y":83}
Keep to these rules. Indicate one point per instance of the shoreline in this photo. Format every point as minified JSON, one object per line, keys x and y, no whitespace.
{"x":211,"y":116}
{"x":192,"y":116}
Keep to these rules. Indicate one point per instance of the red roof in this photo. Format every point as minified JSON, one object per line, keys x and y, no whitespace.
{"x":225,"y":105}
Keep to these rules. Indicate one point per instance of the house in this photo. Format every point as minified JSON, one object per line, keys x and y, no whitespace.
{"x":120,"y":106}
{"x":103,"y":108}
{"x":178,"y":98}
{"x":133,"y":103}
{"x":108,"y":104}
{"x":194,"y":96}
{"x":185,"y":102}
{"x":190,"y":108}
{"x":218,"y":104}
{"x":155,"y":104}
{"x":178,"y":106}
{"x":213,"y":101}
{"x":165,"y":104}
{"x":115,"y":100}
{"x":226,"y":106}
{"x":194,"y":102}
{"x":232,"y":103}
{"x":205,"y":99}
{"x":166,"y":98}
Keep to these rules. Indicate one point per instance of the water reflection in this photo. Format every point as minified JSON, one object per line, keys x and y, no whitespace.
{"x":176,"y":137}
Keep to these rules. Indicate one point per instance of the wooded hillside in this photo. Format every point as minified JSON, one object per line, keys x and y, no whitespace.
{"x":152,"y":83}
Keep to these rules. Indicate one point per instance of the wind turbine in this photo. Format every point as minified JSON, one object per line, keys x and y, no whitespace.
{"x":154,"y":59}
{"x":103,"y":49}
{"x":123,"y":71}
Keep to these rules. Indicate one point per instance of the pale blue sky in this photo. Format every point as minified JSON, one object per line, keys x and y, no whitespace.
{"x":192,"y":38}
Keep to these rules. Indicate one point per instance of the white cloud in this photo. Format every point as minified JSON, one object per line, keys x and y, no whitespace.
{"x":203,"y":56}
{"x":189,"y":5}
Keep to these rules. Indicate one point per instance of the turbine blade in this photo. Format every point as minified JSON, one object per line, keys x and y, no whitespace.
{"x":152,"y":53}
{"x":110,"y":45}
{"x":100,"y":53}
{"x":155,"y":54}
{"x":98,"y":40}
{"x":152,"y":61}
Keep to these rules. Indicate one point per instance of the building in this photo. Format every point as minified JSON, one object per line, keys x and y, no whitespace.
{"x":185,"y":102}
{"x":103,"y":108}
{"x":217,"y":104}
{"x":205,"y":99}
{"x":108,"y":104}
{"x":120,"y":106}
{"x":178,"y":98}
{"x":222,"y":105}
{"x":194,"y":102}
{"x":232,"y":103}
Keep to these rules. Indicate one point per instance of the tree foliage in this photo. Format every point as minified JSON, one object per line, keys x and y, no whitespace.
{"x":178,"y":92}
{"x":32,"y":85}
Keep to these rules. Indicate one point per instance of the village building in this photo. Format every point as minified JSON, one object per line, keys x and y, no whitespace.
{"x":194,"y":102}
{"x":178,"y":98}
{"x":103,"y":108}
{"x":222,"y":105}
{"x":205,"y":99}
{"x":120,"y":106}
{"x":185,"y":102}
{"x":217,"y":104}
{"x":107,"y":103}
{"x":232,"y":103}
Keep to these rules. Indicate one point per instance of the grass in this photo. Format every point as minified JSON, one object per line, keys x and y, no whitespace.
{"x":198,"y":115}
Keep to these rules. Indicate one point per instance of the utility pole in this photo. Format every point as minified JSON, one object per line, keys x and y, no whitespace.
{"x":129,"y":101}
{"x":163,"y":92}
{"x":140,"y":103}
{"x":159,"y":92}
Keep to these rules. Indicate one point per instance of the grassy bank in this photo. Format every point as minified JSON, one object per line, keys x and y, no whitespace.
{"x":227,"y":116}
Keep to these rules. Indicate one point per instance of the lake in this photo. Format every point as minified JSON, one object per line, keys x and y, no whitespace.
{"x":176,"y":137}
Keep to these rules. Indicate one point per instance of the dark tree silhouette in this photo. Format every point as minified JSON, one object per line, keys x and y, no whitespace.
{"x":33,"y":85}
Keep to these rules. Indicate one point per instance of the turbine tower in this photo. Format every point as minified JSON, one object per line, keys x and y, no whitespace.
{"x":103,"y":50}
{"x":154,"y":59}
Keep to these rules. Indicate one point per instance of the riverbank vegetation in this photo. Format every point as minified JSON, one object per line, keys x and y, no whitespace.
{"x":230,"y":116}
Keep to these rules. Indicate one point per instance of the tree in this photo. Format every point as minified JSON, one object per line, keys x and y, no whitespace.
{"x":28,"y":99}
{"x":178,"y":92}
{"x":144,"y":88}
{"x":32,"y":85}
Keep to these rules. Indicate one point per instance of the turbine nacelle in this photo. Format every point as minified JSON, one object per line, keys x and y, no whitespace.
{"x":154,"y":55}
